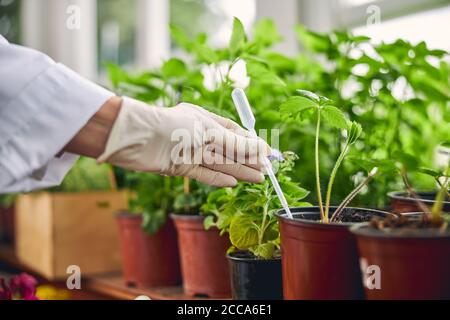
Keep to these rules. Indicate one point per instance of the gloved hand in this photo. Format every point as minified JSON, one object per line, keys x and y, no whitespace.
{"x":185,"y":140}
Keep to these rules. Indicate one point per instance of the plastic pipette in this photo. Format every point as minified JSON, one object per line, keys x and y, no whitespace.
{"x":248,"y":121}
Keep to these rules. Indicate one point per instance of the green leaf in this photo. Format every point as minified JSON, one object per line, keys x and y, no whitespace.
{"x":152,"y":221}
{"x":309,"y":95}
{"x":205,"y":54}
{"x":243,"y":233}
{"x":238,"y":37}
{"x":265,"y":32}
{"x":115,"y":74}
{"x":408,"y":161}
{"x":334,"y":117}
{"x":173,"y":68}
{"x":313,"y":41}
{"x":297,"y":106}
{"x":208,"y":222}
{"x":179,"y":37}
{"x":353,"y":132}
{"x":265,"y":250}
{"x":260,"y":74}
{"x":384,"y":166}
{"x":293,"y":190}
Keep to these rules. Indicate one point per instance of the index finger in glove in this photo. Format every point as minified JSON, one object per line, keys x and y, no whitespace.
{"x":250,"y":151}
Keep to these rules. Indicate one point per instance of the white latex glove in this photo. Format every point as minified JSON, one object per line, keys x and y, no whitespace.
{"x":185,"y":140}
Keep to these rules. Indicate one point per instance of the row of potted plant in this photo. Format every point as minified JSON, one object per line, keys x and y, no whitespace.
{"x":319,"y":254}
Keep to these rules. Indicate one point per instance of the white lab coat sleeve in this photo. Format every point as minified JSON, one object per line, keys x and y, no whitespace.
{"x":43,"y":105}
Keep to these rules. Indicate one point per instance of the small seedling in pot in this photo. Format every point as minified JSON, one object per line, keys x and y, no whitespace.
{"x":246,"y":212}
{"x":309,"y":105}
{"x":433,"y":217}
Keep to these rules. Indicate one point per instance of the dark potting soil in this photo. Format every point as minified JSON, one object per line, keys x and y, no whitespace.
{"x":354,"y":215}
{"x":348,"y":215}
{"x":403,"y":224}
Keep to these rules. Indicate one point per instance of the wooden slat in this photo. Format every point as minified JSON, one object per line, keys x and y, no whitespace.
{"x":114,"y":286}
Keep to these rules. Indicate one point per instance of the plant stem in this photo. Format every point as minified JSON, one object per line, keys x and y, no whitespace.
{"x":436,"y":210}
{"x":426,"y":211}
{"x":262,"y":230}
{"x":352,"y":195}
{"x":319,"y":194}
{"x":333,"y":176}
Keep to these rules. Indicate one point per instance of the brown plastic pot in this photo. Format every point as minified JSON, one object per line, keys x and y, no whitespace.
{"x":148,"y":260}
{"x":319,"y":261}
{"x":204,"y":264}
{"x":411,"y":266}
{"x":401,"y":202}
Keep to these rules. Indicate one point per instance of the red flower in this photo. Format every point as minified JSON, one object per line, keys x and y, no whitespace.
{"x":22,"y":286}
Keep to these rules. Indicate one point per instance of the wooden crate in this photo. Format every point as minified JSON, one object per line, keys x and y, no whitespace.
{"x":56,"y":230}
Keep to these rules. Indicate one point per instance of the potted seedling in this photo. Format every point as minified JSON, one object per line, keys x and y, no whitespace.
{"x":406,"y":201}
{"x":408,"y":256}
{"x":319,"y":255}
{"x":202,"y":252}
{"x":246,"y":213}
{"x":147,"y":237}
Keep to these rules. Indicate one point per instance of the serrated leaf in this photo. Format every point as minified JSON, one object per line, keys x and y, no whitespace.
{"x":243,"y":233}
{"x":238,"y":37}
{"x":293,"y":190}
{"x":354,"y":132}
{"x":265,"y":250}
{"x":334,"y":117}
{"x":297,"y":106}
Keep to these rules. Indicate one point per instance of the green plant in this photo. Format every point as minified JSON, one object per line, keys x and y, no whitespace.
{"x":308,"y":104}
{"x":398,"y":92}
{"x":87,"y":175}
{"x":247,"y":211}
{"x":177,"y":80}
{"x":155,"y":197}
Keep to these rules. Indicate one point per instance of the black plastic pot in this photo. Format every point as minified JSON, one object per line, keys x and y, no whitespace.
{"x":253,"y":278}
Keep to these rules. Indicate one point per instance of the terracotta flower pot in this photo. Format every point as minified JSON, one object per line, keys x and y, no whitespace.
{"x":401,"y":202}
{"x":148,"y":260}
{"x":319,"y":261}
{"x":202,"y":253}
{"x":253,"y":278}
{"x":410,"y":266}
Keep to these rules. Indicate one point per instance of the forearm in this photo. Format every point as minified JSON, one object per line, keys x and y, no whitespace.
{"x":91,"y":140}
